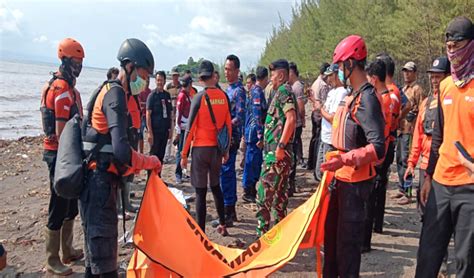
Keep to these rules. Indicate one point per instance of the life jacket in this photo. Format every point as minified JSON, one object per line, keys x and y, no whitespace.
{"x":345,"y":125}
{"x":48,"y":113}
{"x":430,"y":115}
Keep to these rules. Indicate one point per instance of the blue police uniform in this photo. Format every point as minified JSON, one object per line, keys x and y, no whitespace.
{"x":228,"y":178}
{"x":254,"y":125}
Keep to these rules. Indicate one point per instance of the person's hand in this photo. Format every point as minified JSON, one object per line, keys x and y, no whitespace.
{"x":260,"y":144}
{"x":150,"y":139}
{"x":280,"y":154}
{"x":225,"y":157}
{"x":184,"y":161}
{"x":159,"y":167}
{"x":425,"y":190}
{"x":467,"y":164}
{"x":333,"y":164}
{"x":409,"y":171}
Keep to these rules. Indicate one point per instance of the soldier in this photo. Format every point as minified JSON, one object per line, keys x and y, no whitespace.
{"x":278,"y":139}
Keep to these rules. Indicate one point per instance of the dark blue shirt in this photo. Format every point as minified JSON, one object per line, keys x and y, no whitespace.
{"x":255,"y":118}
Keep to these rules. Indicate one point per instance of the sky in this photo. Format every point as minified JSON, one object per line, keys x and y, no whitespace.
{"x":173,"y":30}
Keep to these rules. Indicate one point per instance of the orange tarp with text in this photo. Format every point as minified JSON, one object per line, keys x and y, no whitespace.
{"x":170,"y":243}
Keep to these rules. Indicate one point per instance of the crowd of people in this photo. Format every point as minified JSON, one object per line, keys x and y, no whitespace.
{"x":360,"y":120}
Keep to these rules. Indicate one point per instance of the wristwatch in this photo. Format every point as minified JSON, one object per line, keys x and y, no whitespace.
{"x":281,"y":145}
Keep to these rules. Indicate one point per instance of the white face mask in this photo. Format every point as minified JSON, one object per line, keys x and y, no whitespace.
{"x":137,"y":86}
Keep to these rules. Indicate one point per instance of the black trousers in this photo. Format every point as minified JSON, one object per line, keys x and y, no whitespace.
{"x":344,"y":228}
{"x":99,"y":219}
{"x":160,"y":139}
{"x":449,"y":209}
{"x":375,"y":206}
{"x":292,"y":176}
{"x":313,"y":144}
{"x":59,"y":209}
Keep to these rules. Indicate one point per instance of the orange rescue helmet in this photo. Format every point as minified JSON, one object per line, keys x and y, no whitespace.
{"x":70,"y":48}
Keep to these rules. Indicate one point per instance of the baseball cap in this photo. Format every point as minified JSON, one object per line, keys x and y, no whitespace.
{"x":410,"y":66}
{"x":206,"y":69}
{"x":174,"y":71}
{"x":440,"y":64}
{"x":334,"y":68}
{"x":460,"y":28}
{"x":279,"y":64}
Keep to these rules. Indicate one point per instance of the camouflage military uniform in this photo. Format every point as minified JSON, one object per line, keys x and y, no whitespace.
{"x":271,"y":189}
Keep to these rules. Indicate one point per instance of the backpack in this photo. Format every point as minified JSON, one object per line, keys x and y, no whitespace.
{"x":223,"y":140}
{"x":72,"y":160}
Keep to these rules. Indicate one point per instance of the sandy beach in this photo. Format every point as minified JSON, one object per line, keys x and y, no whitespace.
{"x":24,"y":191}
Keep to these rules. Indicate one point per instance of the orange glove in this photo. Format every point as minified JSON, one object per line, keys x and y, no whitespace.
{"x":145,"y":162}
{"x":333,"y":164}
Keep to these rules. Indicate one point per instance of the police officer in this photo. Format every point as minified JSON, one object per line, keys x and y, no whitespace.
{"x":116,"y":158}
{"x":254,"y":124}
{"x":237,"y":97}
{"x":279,"y":132}
{"x":60,"y":102}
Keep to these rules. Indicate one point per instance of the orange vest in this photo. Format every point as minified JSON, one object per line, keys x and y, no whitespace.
{"x":457,"y":105}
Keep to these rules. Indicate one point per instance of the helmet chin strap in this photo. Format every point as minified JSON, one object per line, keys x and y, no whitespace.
{"x":350,"y":68}
{"x":128,"y":76}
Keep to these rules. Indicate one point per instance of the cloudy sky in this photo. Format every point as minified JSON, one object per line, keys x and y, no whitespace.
{"x":174,"y":30}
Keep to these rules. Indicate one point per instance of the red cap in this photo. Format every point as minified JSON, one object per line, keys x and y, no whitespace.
{"x":353,"y":47}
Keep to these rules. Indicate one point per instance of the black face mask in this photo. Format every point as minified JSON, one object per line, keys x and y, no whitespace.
{"x":76,"y":68}
{"x":70,"y":70}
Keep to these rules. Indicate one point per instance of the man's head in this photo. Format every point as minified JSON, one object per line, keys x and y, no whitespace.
{"x":294,"y":73}
{"x":112,"y":73}
{"x":324,"y":66}
{"x":389,"y":63}
{"x":160,"y":79}
{"x":280,"y":70}
{"x":409,"y":72}
{"x":440,"y":69}
{"x":232,"y":68}
{"x":250,"y":81}
{"x":187,"y":82}
{"x":350,"y":55}
{"x":332,"y":76}
{"x":71,"y":54}
{"x":262,"y":76}
{"x":376,"y":73}
{"x":206,"y":73}
{"x":459,"y":33}
{"x":175,"y":75}
{"x":217,"y":77}
{"x":136,"y":61}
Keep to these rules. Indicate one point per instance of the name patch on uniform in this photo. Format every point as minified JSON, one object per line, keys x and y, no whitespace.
{"x":469,"y":98}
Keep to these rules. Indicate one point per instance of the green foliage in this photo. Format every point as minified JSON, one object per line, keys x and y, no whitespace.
{"x":409,"y":30}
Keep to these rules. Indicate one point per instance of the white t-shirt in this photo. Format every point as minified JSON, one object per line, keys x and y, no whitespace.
{"x":335,"y":96}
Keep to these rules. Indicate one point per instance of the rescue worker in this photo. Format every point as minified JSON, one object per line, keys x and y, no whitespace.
{"x":376,"y":74}
{"x":108,"y":126}
{"x":183,"y":106}
{"x":237,"y":97}
{"x":423,"y":130}
{"x":254,"y":126}
{"x":383,"y":173}
{"x":201,"y":132}
{"x":280,"y":125}
{"x":448,"y":188}
{"x":358,"y":135}
{"x":60,"y":101}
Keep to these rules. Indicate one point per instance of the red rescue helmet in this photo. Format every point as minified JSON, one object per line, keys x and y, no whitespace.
{"x":353,"y":47}
{"x":70,"y":48}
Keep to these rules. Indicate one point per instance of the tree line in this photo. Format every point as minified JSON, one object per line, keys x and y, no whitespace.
{"x":409,"y":30}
